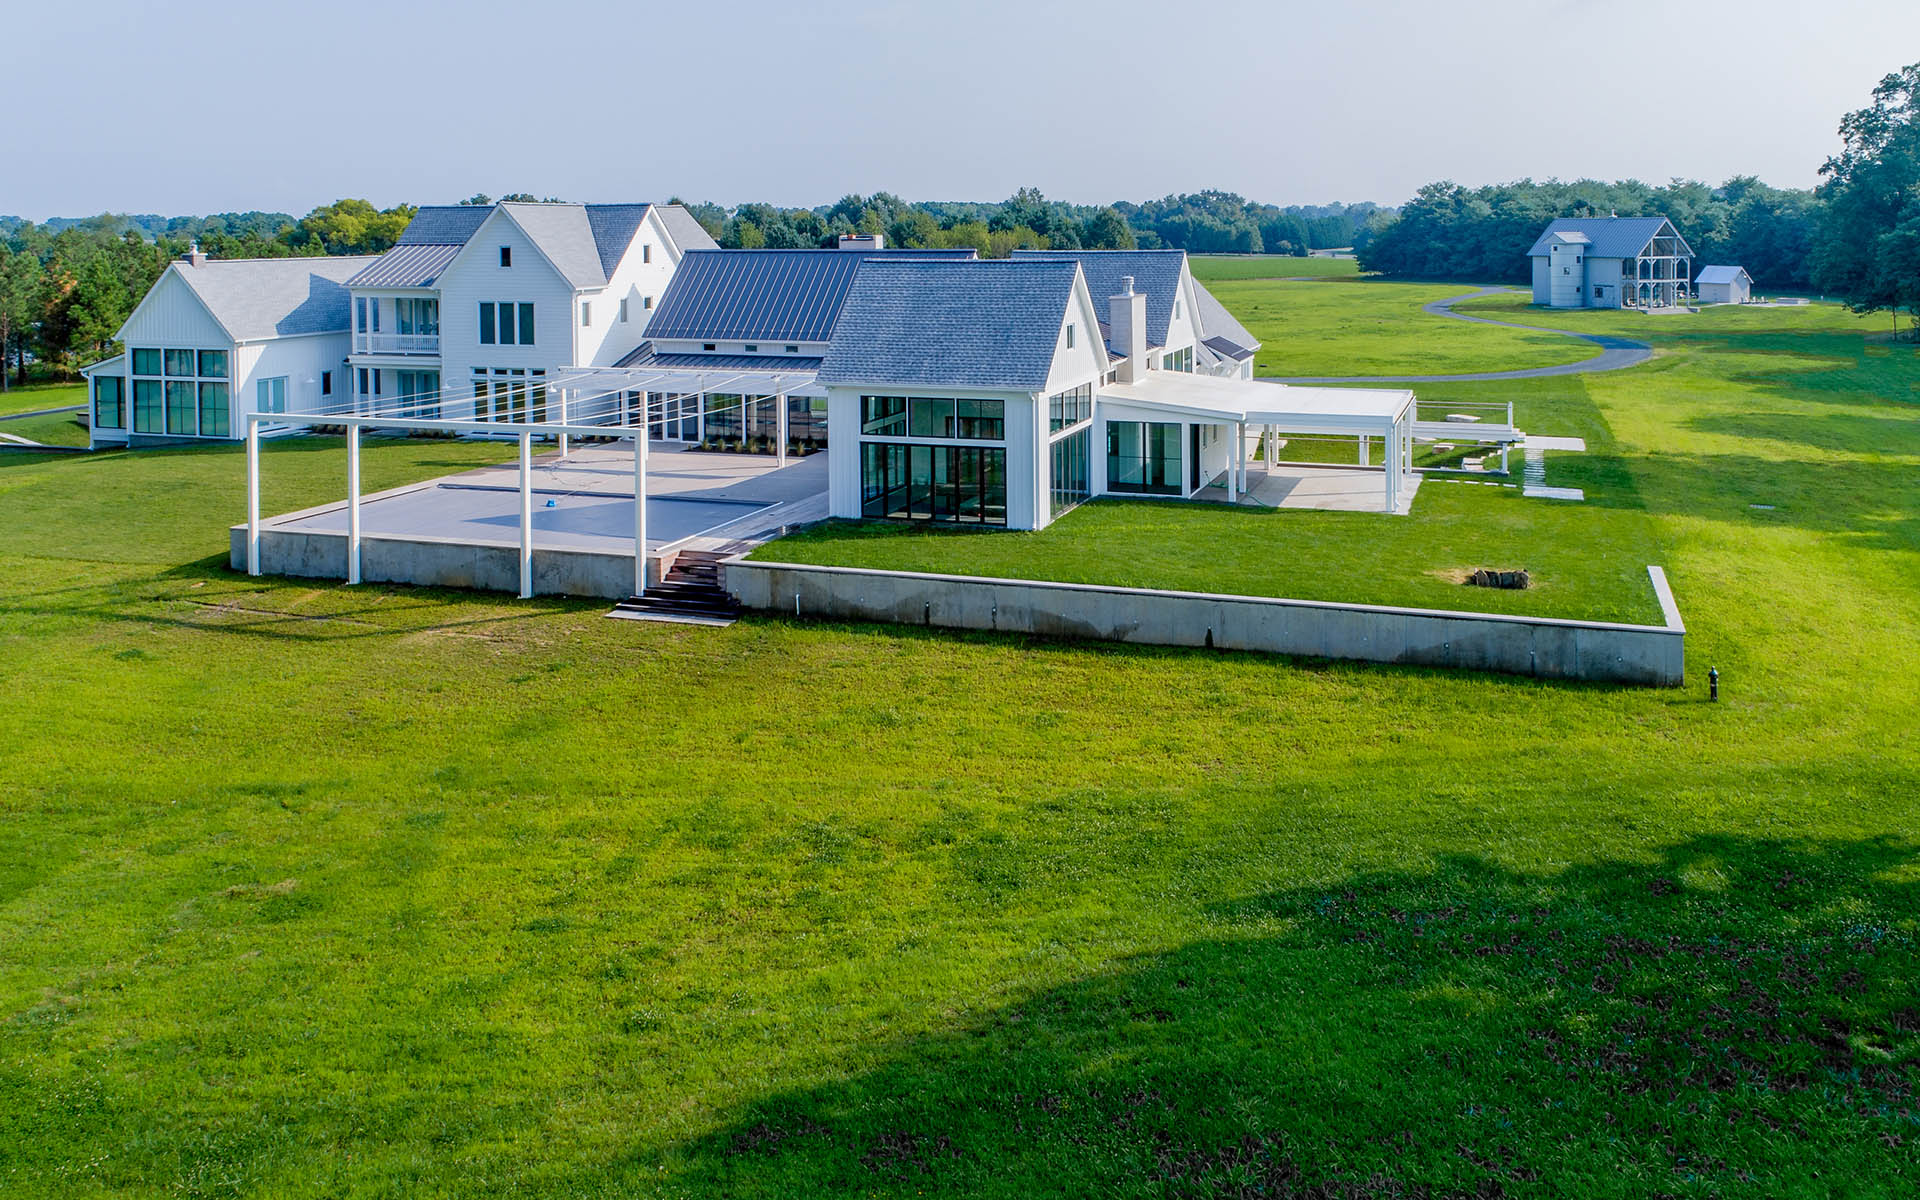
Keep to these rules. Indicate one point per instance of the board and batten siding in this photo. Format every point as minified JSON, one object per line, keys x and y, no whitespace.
{"x":476,"y":275}
{"x":171,"y":315}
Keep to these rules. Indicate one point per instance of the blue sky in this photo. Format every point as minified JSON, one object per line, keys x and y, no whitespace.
{"x":208,"y":105}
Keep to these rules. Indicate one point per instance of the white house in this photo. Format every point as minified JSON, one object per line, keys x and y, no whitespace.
{"x":215,"y":339}
{"x":1724,"y":285}
{"x":1611,"y":262}
{"x":475,"y":307}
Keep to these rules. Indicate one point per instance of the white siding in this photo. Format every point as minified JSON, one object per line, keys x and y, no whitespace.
{"x":634,"y":279}
{"x":171,"y":315}
{"x":300,"y":360}
{"x":476,"y":275}
{"x":1541,"y":292}
{"x":1566,"y":275}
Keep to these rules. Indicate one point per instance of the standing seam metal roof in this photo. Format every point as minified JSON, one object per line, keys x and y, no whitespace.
{"x":763,"y":295}
{"x":965,"y":324}
{"x":413,"y":265}
{"x":1611,"y":237}
{"x":1721,"y":274}
{"x":1156,"y":273}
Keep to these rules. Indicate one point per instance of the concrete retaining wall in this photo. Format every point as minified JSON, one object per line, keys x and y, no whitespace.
{"x":1541,"y":646}
{"x":436,"y":563}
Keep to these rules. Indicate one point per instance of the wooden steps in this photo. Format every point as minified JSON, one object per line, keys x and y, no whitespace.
{"x":690,"y":594}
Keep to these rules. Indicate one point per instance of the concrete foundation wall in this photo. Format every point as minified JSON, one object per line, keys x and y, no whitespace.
{"x":1556,"y":649}
{"x":323,"y":555}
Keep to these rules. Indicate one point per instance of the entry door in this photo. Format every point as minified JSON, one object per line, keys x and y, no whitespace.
{"x":1193,"y":458}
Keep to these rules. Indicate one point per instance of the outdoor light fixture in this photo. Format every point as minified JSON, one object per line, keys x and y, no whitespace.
{"x":1713,"y":683}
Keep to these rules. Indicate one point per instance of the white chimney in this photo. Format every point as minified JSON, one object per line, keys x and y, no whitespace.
{"x":1127,"y":319}
{"x":194,"y":257}
{"x":863,"y":241}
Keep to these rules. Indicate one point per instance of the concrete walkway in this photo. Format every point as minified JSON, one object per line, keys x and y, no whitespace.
{"x":1615,"y":353}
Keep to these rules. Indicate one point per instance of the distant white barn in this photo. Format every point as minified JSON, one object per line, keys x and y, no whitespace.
{"x":1611,"y":262}
{"x":1724,"y":285}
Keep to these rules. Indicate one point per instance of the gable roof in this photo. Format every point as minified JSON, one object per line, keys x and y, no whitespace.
{"x":1611,"y":237}
{"x":687,"y":232}
{"x":1722,"y":275}
{"x":416,"y":264}
{"x":613,"y":227}
{"x":565,"y":235}
{"x":444,"y":224}
{"x":258,"y":298}
{"x":763,"y":295}
{"x":1156,"y":273}
{"x":976,"y":323}
{"x":1216,"y":327}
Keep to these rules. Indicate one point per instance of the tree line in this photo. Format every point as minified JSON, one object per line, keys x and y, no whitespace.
{"x":1856,"y":236}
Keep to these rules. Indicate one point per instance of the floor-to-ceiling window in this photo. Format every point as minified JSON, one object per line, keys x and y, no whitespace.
{"x":1071,"y":479}
{"x":1144,"y":456}
{"x":185,"y":393}
{"x":910,"y":482}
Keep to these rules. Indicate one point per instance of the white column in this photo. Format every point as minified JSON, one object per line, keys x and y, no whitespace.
{"x":1364,"y":456}
{"x":1388,"y":471}
{"x":780,"y":428}
{"x":253,"y":495}
{"x":640,"y":512}
{"x":353,"y":503}
{"x":1240,"y":450}
{"x":526,"y":514}
{"x":1233,"y":491}
{"x":563,"y":417}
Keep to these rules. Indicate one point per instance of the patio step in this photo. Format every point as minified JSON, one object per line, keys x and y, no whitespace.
{"x":690,"y":593}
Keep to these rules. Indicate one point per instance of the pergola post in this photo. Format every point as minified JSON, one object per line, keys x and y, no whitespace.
{"x":526,"y":514}
{"x":353,"y":502}
{"x":1233,"y":492}
{"x":1240,"y":450}
{"x":640,"y":512}
{"x":563,"y":418}
{"x":253,"y":493}
{"x":1390,"y":468}
{"x":1364,"y":455}
{"x":780,"y":427}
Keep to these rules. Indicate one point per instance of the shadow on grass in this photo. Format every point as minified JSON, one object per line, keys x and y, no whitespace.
{"x":1736,"y":1014}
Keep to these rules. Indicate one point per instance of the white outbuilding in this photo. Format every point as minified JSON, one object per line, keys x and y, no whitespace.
{"x":1724,"y":285}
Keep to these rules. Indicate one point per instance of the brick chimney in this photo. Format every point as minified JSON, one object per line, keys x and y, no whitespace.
{"x":1127,"y":319}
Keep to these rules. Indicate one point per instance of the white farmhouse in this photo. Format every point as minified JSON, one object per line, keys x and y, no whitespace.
{"x":213,"y":340}
{"x":1611,"y":262}
{"x":1724,"y":285}
{"x":475,"y":307}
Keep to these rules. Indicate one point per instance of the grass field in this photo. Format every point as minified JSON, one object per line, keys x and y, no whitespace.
{"x":1373,"y":327}
{"x":37,"y":396}
{"x":308,"y":890}
{"x":1210,"y":267}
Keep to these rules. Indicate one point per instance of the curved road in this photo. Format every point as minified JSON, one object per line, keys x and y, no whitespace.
{"x":1615,"y":352}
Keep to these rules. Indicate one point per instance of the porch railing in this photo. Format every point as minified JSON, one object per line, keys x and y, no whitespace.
{"x":396,"y":343}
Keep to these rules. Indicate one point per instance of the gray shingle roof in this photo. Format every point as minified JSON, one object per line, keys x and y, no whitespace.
{"x":565,"y":235}
{"x":613,"y":227}
{"x":953,"y":323}
{"x":258,"y":298}
{"x":1155,"y":273}
{"x":413,"y":265}
{"x":444,"y":224}
{"x":1215,"y":324}
{"x":1610,"y":237}
{"x":687,"y":233}
{"x":644,"y":355}
{"x":1721,"y":274}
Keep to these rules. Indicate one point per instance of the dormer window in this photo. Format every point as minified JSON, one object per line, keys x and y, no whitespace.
{"x":752,"y":349}
{"x":706,"y":346}
{"x":792,"y":349}
{"x":506,"y":256}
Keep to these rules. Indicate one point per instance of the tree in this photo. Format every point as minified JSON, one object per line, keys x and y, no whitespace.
{"x":477,"y":200}
{"x":1872,"y":195}
{"x":1108,"y":230}
{"x":19,"y":287}
{"x":351,"y":227}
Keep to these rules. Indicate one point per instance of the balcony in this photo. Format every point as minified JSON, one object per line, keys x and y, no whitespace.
{"x":396,"y":343}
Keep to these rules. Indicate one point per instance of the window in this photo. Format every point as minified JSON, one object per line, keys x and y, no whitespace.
{"x":980,"y":420}
{"x":179,"y":362}
{"x":646,"y":252}
{"x":1069,"y":335}
{"x":539,"y":394}
{"x":708,"y":346}
{"x":180,"y":402}
{"x":213,"y":364}
{"x":1566,"y":270}
{"x":146,"y":362}
{"x":752,"y":349}
{"x":417,"y":316}
{"x":480,"y":410}
{"x":1144,"y":457}
{"x":884,"y":415}
{"x":623,"y":310}
{"x":1179,"y":360}
{"x":360,"y":313}
{"x":506,"y":256}
{"x":929,"y":418}
{"x":1596,"y":291}
{"x":586,"y":312}
{"x":646,"y":303}
{"x":147,"y":415}
{"x":109,"y":402}
{"x":419,"y":393}
{"x":326,"y":383}
{"x":377,"y":373}
{"x":791,"y":349}
{"x":526,"y":325}
{"x":506,"y":325}
{"x":270,"y":395}
{"x":1071,"y":481}
{"x":963,"y":484}
{"x":486,"y":324}
{"x":214,"y":410}
{"x":1069,"y":407}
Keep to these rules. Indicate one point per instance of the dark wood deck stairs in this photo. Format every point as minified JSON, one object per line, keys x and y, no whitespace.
{"x":690,"y":593}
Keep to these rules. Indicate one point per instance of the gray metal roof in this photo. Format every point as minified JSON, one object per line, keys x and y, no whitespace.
{"x":258,"y":298}
{"x":1722,"y":275}
{"x":444,"y":224}
{"x":1611,"y":237}
{"x":1214,"y":324}
{"x":687,"y":233}
{"x":644,"y":355}
{"x":755,"y":295}
{"x":1228,"y":348}
{"x":1155,"y":273}
{"x":414,"y":265}
{"x":965,"y":323}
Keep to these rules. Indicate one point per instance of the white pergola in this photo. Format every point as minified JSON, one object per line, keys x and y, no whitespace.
{"x":589,"y":402}
{"x":1273,"y":408}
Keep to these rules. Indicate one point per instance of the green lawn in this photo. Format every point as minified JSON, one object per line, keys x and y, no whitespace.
{"x":36,"y":396}
{"x":51,"y":429}
{"x":1208,"y":268}
{"x":308,"y":890}
{"x":1371,"y":327}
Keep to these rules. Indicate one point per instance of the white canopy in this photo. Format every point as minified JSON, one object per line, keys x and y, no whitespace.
{"x":1333,"y":410}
